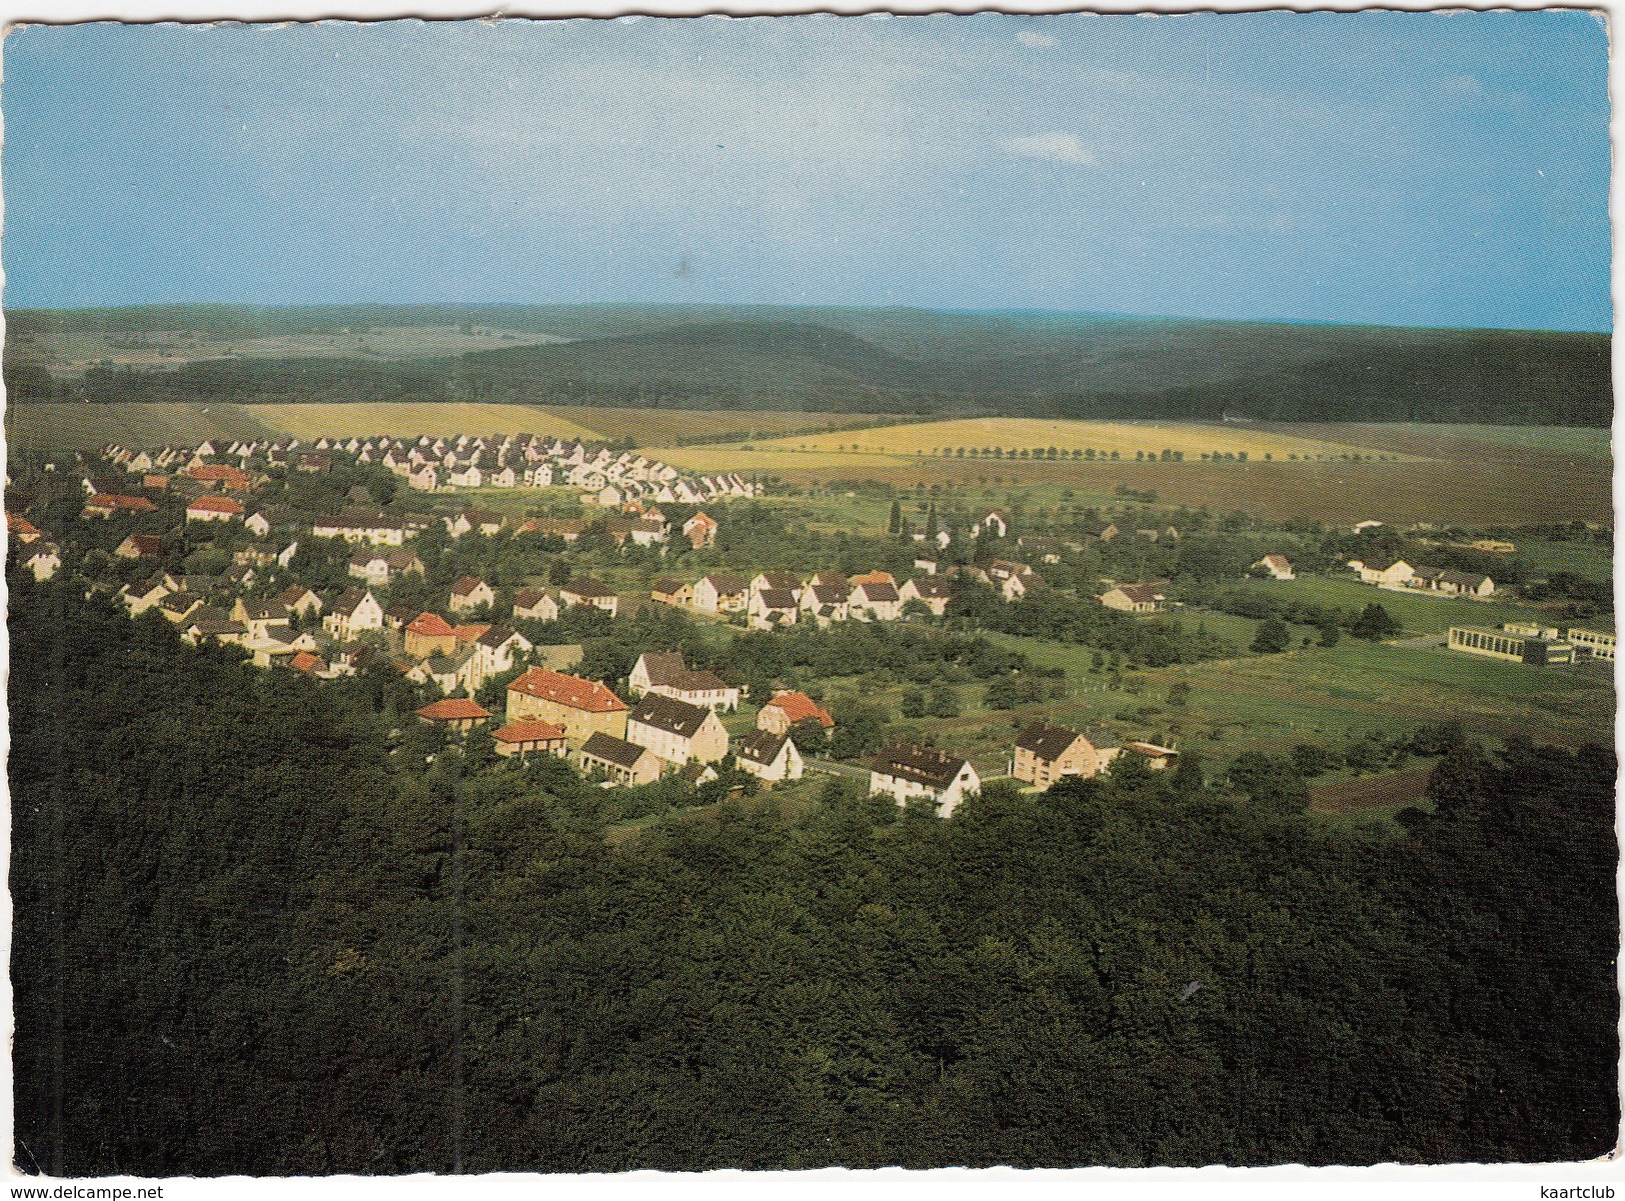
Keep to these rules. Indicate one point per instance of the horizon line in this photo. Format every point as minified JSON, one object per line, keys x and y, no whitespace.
{"x":724,"y":304}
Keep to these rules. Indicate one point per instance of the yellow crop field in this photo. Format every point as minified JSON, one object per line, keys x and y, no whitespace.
{"x":1192,"y":439}
{"x":79,"y":426}
{"x":654,"y":427}
{"x":411,"y":419}
{"x":794,"y":464}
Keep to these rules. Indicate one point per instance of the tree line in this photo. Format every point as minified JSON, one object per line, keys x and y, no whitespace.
{"x":254,"y":936}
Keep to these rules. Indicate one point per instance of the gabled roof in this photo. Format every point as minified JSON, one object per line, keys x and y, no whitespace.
{"x":798,"y":706}
{"x":455,"y":708}
{"x":271,"y":610}
{"x":466,"y":585}
{"x":145,"y":544}
{"x":586,"y":587}
{"x":572,"y":691}
{"x":496,"y":636}
{"x":446,"y":665}
{"x":762,"y":747}
{"x":878,"y":593}
{"x":1047,"y":742}
{"x":663,"y":666}
{"x":1461,"y":579}
{"x":1151,"y":750}
{"x":727,"y":583}
{"x":829,"y":594}
{"x":933,"y":587}
{"x":670,"y":715}
{"x":780,"y":579}
{"x":613,"y":750}
{"x":1140,"y":594}
{"x":696,"y":681}
{"x":528,"y":731}
{"x":777,"y":598}
{"x":349,"y":599}
{"x":919,"y":764}
{"x":529,"y":598}
{"x":668,"y":586}
{"x":105,"y":500}
{"x":430,"y":625}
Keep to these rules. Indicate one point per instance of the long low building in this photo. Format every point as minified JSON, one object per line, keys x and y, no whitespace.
{"x":1518,"y":644}
{"x":1599,"y":643}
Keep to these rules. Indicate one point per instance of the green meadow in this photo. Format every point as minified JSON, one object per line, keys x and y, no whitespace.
{"x":1416,"y":611}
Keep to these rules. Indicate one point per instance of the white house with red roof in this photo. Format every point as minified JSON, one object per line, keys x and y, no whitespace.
{"x":787,"y":709}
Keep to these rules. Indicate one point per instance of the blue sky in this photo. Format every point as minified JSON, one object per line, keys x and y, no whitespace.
{"x":1386,"y":168}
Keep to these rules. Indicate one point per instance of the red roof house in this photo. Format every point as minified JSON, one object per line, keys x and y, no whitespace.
{"x":457,"y":712}
{"x":788,"y":708}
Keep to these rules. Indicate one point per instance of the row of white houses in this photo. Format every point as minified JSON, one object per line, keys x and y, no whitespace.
{"x":429,"y":464}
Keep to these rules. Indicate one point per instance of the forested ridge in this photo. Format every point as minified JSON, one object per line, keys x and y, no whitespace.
{"x":895,"y":361}
{"x":250,"y":939}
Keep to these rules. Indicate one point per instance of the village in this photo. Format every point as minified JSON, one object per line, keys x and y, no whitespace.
{"x":324,"y":554}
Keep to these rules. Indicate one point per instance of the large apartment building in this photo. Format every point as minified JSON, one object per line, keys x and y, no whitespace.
{"x":581,"y":708}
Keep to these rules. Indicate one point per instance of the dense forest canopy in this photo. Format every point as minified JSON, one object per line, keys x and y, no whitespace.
{"x":253,"y":936}
{"x":861,"y":360}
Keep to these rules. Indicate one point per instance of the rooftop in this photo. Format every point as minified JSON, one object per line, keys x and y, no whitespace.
{"x":571,"y":691}
{"x":528,"y":731}
{"x":613,"y":750}
{"x":918,"y":764}
{"x":669,"y":714}
{"x":455,"y":708}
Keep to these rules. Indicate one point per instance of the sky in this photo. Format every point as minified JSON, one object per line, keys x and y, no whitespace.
{"x":1393,"y":168}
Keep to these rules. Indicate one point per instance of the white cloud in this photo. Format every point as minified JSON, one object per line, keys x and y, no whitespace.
{"x":1056,"y":147}
{"x":1038,"y":41}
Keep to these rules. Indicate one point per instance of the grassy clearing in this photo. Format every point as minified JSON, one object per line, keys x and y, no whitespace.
{"x":74,"y":350}
{"x":1238,"y":630}
{"x":71,"y":426}
{"x":793,"y":800}
{"x":1554,"y":438}
{"x":1270,"y":702}
{"x":1481,"y":492}
{"x":1590,"y":559}
{"x":1388,"y":793}
{"x":1417,"y":612}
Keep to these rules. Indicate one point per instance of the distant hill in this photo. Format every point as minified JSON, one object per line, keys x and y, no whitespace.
{"x":866,"y":360}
